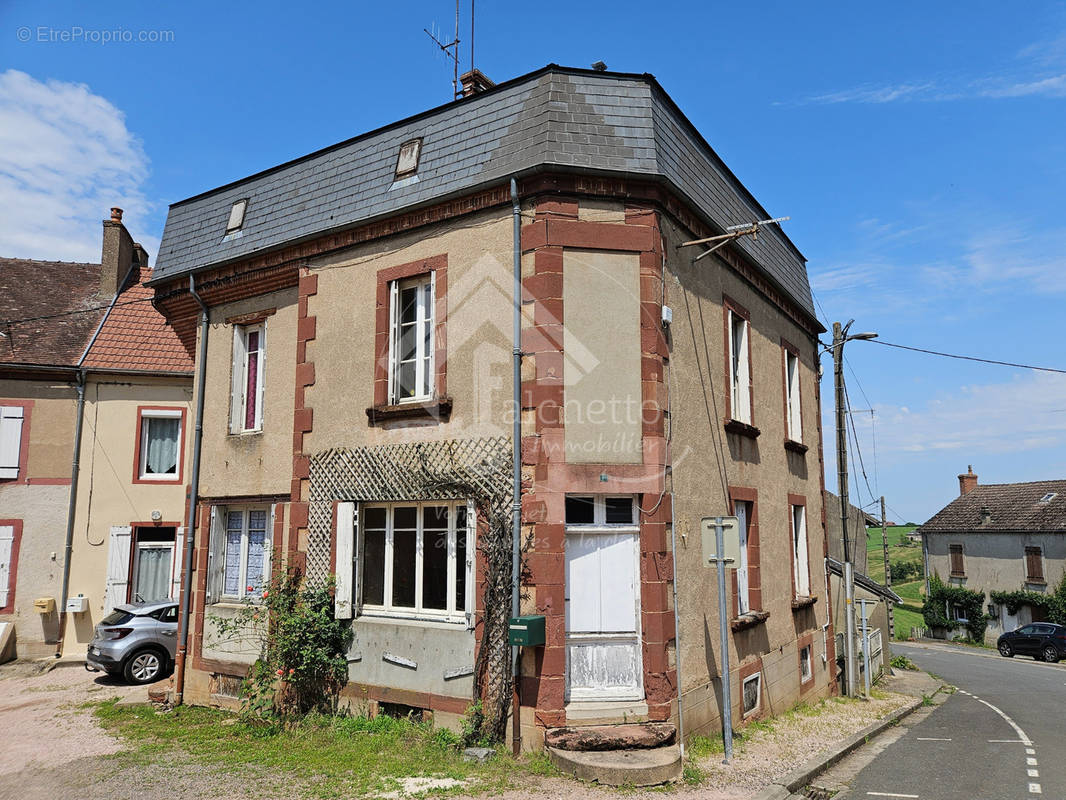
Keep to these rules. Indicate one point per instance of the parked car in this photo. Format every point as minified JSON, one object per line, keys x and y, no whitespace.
{"x":1044,"y":640}
{"x":136,"y":641}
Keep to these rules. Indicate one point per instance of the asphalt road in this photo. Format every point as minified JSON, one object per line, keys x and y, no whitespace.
{"x":1002,"y":736}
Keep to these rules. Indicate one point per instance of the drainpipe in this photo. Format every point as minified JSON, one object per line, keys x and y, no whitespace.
{"x":516,"y":451}
{"x":75,"y":463}
{"x":194,"y":489}
{"x":72,"y":505}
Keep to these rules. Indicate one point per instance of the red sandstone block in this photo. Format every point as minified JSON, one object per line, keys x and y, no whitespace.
{"x":305,"y":374}
{"x":530,"y":449}
{"x":549,"y":537}
{"x":554,"y":207}
{"x":553,"y":662}
{"x":555,"y":630}
{"x":548,"y":311}
{"x":549,"y":366}
{"x":298,"y":515}
{"x":652,"y":537}
{"x":301,"y":466}
{"x":654,"y":596}
{"x":303,"y":420}
{"x":308,"y":284}
{"x":550,"y":693}
{"x":550,"y":600}
{"x":549,"y":719}
{"x":651,"y":368}
{"x":548,"y":260}
{"x":305,"y":328}
{"x":534,"y":235}
{"x":533,"y":509}
{"x":542,"y":338}
{"x":655,"y":657}
{"x":538,"y":287}
{"x":545,"y":568}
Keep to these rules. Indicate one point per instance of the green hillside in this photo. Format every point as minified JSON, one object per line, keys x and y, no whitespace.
{"x":900,"y":551}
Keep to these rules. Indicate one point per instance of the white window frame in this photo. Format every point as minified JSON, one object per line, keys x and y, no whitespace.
{"x":800,"y":550}
{"x":452,"y":614}
{"x":758,"y":694}
{"x":739,"y":368}
{"x":794,"y":416}
{"x":426,"y":317}
{"x":743,"y":584}
{"x":808,"y":674}
{"x":12,"y":421}
{"x":599,"y":514}
{"x":239,"y":399}
{"x":268,"y":549}
{"x":159,"y":413}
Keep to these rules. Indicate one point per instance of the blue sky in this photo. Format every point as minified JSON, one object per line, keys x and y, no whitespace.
{"x":918,"y":148}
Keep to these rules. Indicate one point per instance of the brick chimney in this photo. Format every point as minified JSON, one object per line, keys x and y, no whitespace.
{"x":474,"y":82}
{"x":118,"y":255}
{"x":967,"y":481}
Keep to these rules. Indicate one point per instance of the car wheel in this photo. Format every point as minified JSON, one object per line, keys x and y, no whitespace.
{"x":1006,"y":650}
{"x":1051,"y":654}
{"x":144,"y":666}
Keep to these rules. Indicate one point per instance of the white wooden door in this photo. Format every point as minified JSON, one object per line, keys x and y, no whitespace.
{"x":118,"y":567}
{"x":603,"y":616}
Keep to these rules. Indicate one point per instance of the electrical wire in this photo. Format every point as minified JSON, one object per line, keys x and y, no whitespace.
{"x":966,"y":358}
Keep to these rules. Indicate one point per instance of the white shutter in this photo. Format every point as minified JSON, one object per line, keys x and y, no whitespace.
{"x":345,"y":559}
{"x":179,"y":556}
{"x":7,"y":540}
{"x":394,"y":303}
{"x":10,"y":440}
{"x":236,"y":404}
{"x":471,"y":552}
{"x":260,"y":377}
{"x":118,"y":567}
{"x":216,"y":554}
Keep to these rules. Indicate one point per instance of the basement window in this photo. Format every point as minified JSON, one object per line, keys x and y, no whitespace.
{"x":236,"y":216}
{"x":752,"y":693}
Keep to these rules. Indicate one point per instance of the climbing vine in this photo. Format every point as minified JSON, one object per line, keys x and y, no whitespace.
{"x":1054,"y":604}
{"x":970,"y":605}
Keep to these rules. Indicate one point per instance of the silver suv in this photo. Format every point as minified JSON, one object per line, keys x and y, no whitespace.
{"x":136,"y":641}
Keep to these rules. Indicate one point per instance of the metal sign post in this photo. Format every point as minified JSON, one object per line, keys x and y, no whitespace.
{"x":720,"y":558}
{"x":865,"y":644}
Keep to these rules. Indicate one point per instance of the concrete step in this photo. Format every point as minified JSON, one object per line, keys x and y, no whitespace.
{"x":643,"y":767}
{"x":611,"y":737}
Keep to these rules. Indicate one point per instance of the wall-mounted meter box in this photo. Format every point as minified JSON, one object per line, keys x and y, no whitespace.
{"x":78,"y":605}
{"x":45,"y":605}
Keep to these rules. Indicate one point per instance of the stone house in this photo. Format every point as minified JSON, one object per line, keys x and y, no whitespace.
{"x":1003,"y":537}
{"x":358,"y":407}
{"x":84,"y":339}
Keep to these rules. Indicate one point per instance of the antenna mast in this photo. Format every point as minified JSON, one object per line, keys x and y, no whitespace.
{"x":451,"y":49}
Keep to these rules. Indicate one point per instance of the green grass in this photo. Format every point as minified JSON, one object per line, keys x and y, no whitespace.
{"x":322,"y":756}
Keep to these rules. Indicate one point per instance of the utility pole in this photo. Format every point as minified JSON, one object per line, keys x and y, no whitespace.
{"x":840,"y":336}
{"x":888,"y":573}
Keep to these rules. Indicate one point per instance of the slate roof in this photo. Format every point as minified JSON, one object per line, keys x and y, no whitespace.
{"x":866,"y":582}
{"x":49,"y":290}
{"x":559,"y":118}
{"x":1014,"y":507}
{"x":137,"y":337}
{"x":49,"y":311}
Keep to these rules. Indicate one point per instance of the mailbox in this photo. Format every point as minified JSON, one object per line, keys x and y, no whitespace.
{"x":45,"y":605}
{"x":78,"y":605}
{"x":526,"y":631}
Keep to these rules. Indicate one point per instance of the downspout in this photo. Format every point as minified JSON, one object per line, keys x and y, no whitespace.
{"x":516,"y":452}
{"x":194,"y":489}
{"x":75,"y":462}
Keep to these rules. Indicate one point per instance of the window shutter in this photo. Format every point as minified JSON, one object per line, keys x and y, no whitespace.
{"x":236,"y":411}
{"x":215,"y":554}
{"x":118,"y":567}
{"x":261,"y":381}
{"x":10,"y":440}
{"x":471,"y":552}
{"x":7,"y":539}
{"x":1034,"y":567}
{"x":956,"y":559}
{"x":179,"y":555}
{"x":345,"y":543}
{"x":394,"y":300}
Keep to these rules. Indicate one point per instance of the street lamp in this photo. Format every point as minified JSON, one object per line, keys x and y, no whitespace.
{"x":840,"y":336}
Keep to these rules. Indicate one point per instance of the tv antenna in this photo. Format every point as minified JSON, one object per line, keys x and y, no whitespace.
{"x":451,"y":49}
{"x":732,"y":233}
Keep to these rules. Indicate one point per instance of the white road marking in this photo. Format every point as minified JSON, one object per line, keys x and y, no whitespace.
{"x":1006,"y":741}
{"x":893,"y":794}
{"x":1021,"y":734}
{"x":1034,"y":788}
{"x":1031,"y":762}
{"x":1030,"y":751}
{"x":1033,"y":773}
{"x":931,"y":739}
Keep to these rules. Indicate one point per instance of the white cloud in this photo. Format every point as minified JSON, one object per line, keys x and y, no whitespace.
{"x":66,"y":157}
{"x":1053,"y":86}
{"x":874,"y":94}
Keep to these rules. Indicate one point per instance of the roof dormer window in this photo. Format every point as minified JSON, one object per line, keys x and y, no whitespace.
{"x":236,"y":215}
{"x":407,"y":160}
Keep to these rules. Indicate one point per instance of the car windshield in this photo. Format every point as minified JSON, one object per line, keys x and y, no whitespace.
{"x":117,"y":618}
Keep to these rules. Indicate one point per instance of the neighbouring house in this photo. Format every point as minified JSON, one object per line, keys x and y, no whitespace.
{"x":358,"y":409}
{"x":877,"y":596}
{"x":90,"y":330}
{"x":1002,"y":537}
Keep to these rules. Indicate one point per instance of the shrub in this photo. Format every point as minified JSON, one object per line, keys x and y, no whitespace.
{"x":970,"y":605}
{"x":902,"y":662}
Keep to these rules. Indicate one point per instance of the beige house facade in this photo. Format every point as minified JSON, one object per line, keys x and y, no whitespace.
{"x":359,"y":405}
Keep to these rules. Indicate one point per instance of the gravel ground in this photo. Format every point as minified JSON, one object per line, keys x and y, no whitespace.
{"x":53,"y":750}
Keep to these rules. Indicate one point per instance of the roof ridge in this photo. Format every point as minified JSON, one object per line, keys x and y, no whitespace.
{"x":50,"y":261}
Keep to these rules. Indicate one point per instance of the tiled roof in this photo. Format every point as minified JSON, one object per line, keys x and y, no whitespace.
{"x":560,"y":118}
{"x":48,"y":310}
{"x":136,"y":337}
{"x":1011,"y":507}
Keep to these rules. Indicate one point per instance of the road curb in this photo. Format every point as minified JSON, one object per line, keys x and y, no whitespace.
{"x":799,"y":778}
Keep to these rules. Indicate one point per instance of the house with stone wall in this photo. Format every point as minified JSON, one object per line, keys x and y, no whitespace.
{"x":359,"y":406}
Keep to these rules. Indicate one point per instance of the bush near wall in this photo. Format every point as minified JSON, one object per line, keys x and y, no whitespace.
{"x":969,"y":602}
{"x":1053,"y":604}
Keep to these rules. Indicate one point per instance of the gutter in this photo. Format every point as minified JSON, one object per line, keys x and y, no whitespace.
{"x":75,"y":463}
{"x":516,"y":454}
{"x":194,"y":490}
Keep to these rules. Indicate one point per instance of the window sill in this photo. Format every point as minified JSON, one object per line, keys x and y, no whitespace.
{"x":796,"y":447}
{"x":233,"y":603}
{"x":748,"y":620}
{"x":957,"y":575}
{"x":385,"y":617}
{"x":741,"y":429}
{"x":800,"y":603}
{"x":439,"y":409}
{"x":1036,"y":582}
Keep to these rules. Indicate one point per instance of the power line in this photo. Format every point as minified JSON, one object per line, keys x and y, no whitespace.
{"x":966,"y":358}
